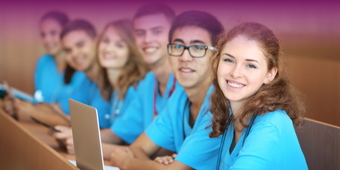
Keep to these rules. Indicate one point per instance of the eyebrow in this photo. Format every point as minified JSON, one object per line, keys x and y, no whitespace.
{"x":197,"y":41}
{"x":251,"y":60}
{"x":178,"y":40}
{"x":191,"y":42}
{"x":153,"y":28}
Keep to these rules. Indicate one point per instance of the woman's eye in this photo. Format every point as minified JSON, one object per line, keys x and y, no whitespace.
{"x":106,"y":41}
{"x":228,"y":60}
{"x":119,"y":45}
{"x":251,"y":66}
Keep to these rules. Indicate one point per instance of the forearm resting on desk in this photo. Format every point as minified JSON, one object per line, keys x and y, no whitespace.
{"x":125,"y":162}
{"x":108,"y":136}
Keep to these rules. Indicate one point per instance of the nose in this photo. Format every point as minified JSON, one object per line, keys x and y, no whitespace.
{"x":186,"y":56}
{"x":236,"y":71}
{"x":148,"y":37}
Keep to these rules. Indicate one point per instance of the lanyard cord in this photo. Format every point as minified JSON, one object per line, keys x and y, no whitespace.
{"x":117,"y":105}
{"x":155,"y":95}
{"x":229,"y":121}
{"x":183,"y":122}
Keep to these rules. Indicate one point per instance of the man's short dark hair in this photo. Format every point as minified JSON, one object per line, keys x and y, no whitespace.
{"x":155,"y":8}
{"x":199,"y":19}
{"x":79,"y":25}
{"x":60,"y":17}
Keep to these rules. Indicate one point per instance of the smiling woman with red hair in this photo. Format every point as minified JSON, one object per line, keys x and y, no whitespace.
{"x":254,"y":106}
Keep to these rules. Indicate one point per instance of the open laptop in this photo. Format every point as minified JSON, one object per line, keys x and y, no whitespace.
{"x":86,"y":137}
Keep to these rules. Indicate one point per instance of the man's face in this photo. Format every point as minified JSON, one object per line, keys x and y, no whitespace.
{"x":151,"y":37}
{"x":190,"y":71}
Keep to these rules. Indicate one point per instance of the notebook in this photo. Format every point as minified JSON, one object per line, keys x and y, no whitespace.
{"x":86,"y":137}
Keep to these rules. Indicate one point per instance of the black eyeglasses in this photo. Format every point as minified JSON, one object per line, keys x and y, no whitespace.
{"x":194,"y":50}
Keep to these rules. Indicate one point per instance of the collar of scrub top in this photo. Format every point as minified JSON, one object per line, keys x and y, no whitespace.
{"x":227,"y":124}
{"x":155,"y":95}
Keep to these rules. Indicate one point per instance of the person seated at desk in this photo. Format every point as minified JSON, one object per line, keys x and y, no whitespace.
{"x":122,"y":68}
{"x":79,"y":42}
{"x":49,"y":75}
{"x":182,"y":126}
{"x":151,"y":25}
{"x":50,"y":82}
{"x":254,"y":105}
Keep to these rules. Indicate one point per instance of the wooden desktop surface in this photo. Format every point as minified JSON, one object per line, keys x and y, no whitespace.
{"x":22,"y":142}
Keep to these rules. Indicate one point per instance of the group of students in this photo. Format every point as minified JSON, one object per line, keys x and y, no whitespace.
{"x":178,"y":89}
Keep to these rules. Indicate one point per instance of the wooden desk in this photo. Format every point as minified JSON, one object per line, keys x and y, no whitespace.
{"x":28,"y":145}
{"x":20,"y":149}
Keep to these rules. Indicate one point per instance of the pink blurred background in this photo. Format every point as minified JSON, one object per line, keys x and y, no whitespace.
{"x":309,"y":34}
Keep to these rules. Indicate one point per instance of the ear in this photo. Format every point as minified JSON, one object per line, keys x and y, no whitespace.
{"x":270,"y":75}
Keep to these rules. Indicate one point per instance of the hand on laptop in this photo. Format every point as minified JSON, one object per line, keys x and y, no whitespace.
{"x":65,"y":138}
{"x":165,"y":159}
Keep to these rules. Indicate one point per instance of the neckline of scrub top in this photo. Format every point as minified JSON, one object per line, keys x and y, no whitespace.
{"x":155,"y":94}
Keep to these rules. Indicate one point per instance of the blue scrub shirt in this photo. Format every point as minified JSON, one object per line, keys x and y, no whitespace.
{"x":197,"y":150}
{"x":89,"y":93}
{"x":118,"y":107}
{"x":139,"y":115}
{"x":271,"y":144}
{"x":50,"y":83}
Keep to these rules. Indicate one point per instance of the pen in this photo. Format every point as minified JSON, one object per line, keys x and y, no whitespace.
{"x":44,"y":124}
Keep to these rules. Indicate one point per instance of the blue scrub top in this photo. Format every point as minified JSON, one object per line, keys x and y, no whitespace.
{"x":89,"y":93}
{"x":118,"y":107}
{"x":271,"y":144}
{"x":197,"y":150}
{"x":50,"y":83}
{"x":139,"y":115}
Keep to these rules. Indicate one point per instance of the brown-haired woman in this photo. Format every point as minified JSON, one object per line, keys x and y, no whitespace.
{"x":122,"y":68}
{"x":254,"y":106}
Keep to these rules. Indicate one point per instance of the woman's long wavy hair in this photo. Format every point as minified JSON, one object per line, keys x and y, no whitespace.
{"x":134,"y":70}
{"x":278,"y":94}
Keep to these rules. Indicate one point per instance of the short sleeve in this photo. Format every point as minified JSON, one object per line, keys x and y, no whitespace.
{"x":38,"y":71}
{"x":130,"y":125}
{"x":161,"y":130}
{"x":199,"y":151}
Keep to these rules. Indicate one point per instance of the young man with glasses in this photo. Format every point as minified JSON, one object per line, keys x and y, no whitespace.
{"x":151,"y":25}
{"x":182,"y":126}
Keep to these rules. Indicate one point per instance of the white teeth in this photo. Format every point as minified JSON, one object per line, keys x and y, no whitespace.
{"x":235,"y":84}
{"x":186,"y":70}
{"x":79,"y":60}
{"x":150,"y":50}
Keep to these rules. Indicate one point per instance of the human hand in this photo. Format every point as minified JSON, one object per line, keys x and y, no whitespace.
{"x":8,"y":105}
{"x":44,"y":107}
{"x":120,"y":155}
{"x":165,"y":159}
{"x":65,"y":138}
{"x":23,"y":109}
